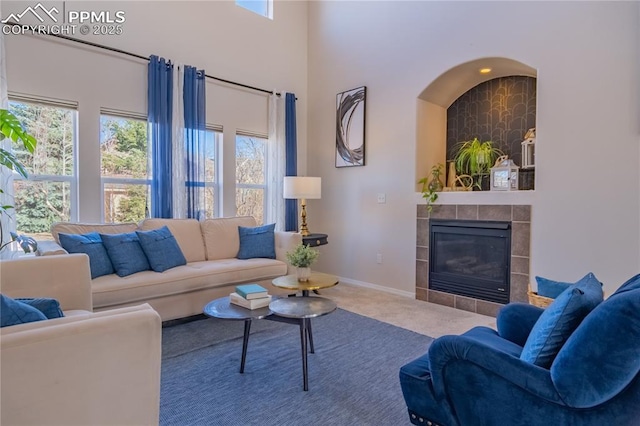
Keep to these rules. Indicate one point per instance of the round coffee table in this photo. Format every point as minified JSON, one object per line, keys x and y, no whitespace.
{"x":302,"y":309}
{"x":317,"y":281}
{"x":222,"y":308}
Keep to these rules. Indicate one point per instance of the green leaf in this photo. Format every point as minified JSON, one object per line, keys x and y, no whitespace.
{"x":11,"y":127}
{"x":8,"y":160}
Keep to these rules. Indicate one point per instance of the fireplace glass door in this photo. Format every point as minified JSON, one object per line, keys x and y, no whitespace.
{"x":470,"y":258}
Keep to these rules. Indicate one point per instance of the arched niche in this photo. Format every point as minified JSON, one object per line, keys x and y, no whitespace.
{"x":432,"y":104}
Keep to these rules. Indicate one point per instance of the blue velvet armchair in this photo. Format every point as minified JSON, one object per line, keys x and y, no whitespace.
{"x":478,"y":378}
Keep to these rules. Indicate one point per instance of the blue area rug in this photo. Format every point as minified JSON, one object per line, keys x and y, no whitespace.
{"x":353,"y":375}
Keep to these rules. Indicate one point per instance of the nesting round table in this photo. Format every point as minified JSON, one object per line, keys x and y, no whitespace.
{"x":291,"y":310}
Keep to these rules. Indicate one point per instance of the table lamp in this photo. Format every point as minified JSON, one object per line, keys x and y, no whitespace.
{"x":302,"y":188}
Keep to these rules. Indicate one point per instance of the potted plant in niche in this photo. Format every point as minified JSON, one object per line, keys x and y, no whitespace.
{"x":476,"y":158}
{"x":302,"y":257}
{"x":431,"y":188}
{"x":10,"y":127}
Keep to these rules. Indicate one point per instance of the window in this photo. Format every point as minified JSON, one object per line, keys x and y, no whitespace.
{"x":261,"y":7}
{"x":49,"y":194}
{"x":212,"y":142}
{"x":251,"y":169}
{"x":125,"y":186}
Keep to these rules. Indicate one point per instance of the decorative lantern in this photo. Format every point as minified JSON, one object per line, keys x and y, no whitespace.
{"x":528,"y":149}
{"x":504,"y":175}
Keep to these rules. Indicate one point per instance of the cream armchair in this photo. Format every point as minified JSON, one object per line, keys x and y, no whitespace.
{"x":84,"y":369}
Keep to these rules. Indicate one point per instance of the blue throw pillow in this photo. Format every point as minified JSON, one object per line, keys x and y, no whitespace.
{"x":257,"y":242}
{"x":550,"y":288}
{"x":126,"y":253}
{"x":13,"y":312}
{"x":161,"y":248}
{"x":49,"y":307}
{"x":560,"y":319}
{"x":91,"y":245}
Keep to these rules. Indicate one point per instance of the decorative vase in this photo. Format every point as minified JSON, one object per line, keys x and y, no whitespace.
{"x":303,"y":274}
{"x":451,"y":176}
{"x":435,"y":185}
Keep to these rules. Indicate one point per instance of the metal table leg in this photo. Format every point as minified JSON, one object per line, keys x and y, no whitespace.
{"x":245,"y":343}
{"x":303,"y":340}
{"x":310,"y":334}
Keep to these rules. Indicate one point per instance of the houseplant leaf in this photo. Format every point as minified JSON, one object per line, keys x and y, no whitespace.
{"x":11,"y":128}
{"x":8,"y":160}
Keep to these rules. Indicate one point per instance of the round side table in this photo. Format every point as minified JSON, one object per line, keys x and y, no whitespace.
{"x":303,"y":309}
{"x":317,"y":281}
{"x":222,"y":308}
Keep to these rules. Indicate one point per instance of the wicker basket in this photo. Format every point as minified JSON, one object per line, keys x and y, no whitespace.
{"x":539,"y":301}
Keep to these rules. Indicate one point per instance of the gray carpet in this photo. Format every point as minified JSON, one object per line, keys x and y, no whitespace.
{"x":353,"y":376}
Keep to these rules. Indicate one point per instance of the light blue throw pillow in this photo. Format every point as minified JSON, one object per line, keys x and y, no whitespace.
{"x":560,"y":319}
{"x":13,"y":312}
{"x":257,"y":242}
{"x":161,"y":248}
{"x":91,"y":245}
{"x":550,"y":288}
{"x":49,"y":307}
{"x":126,"y":253}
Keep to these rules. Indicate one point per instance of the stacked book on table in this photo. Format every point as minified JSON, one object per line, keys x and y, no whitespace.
{"x":250,"y":296}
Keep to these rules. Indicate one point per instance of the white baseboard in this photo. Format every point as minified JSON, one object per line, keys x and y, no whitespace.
{"x":377,"y":287}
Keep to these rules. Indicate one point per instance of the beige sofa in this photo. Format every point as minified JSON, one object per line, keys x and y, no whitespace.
{"x":85,"y":368}
{"x":210,"y":248}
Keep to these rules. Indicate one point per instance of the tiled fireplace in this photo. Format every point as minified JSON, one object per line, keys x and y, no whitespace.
{"x":519,"y":217}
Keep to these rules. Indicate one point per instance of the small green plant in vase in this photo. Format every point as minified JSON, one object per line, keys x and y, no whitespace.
{"x":302,"y":257}
{"x":430,"y":188}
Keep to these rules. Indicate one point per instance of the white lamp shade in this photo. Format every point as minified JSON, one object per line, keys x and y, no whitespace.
{"x":297,"y":187}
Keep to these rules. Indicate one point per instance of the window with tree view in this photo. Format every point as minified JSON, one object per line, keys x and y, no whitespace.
{"x":251,"y":169}
{"x":49,"y":194}
{"x":125,"y":185}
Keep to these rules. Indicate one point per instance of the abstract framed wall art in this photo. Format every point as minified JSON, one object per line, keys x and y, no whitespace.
{"x":350,"y":122}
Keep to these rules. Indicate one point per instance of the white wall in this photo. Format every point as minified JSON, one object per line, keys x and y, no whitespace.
{"x":586,"y":204}
{"x":227,"y":41}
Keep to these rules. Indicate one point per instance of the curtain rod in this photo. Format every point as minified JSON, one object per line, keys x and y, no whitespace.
{"x":135,"y":55}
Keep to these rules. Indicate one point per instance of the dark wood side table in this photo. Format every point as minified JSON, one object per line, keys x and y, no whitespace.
{"x":315,"y":240}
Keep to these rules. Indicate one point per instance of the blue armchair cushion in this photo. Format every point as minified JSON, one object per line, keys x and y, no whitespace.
{"x":49,"y":307}
{"x":126,"y":253}
{"x":14,"y":312}
{"x":489,"y":337}
{"x":91,"y":245}
{"x":560,"y":319}
{"x":161,"y":248}
{"x":516,"y":320}
{"x":602,"y":357}
{"x":632,"y":283}
{"x":257,"y":242}
{"x":550,"y":288}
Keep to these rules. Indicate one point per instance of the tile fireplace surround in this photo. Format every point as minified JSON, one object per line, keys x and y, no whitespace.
{"x":520,"y":218}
